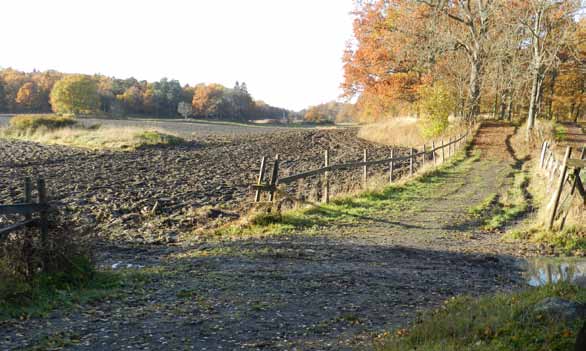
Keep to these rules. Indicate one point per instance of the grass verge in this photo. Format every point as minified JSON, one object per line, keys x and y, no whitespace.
{"x":498,"y":210}
{"x":496,"y":322}
{"x":348,"y":210}
{"x":48,"y":292}
{"x":569,"y":241}
{"x":50,"y":129}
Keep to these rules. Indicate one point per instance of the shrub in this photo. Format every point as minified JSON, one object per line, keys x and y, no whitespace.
{"x":152,"y":137}
{"x":30,"y":273}
{"x":33,"y":122}
{"x":436,"y":103}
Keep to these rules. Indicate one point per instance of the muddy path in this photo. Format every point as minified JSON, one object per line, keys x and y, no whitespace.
{"x":330,"y":289}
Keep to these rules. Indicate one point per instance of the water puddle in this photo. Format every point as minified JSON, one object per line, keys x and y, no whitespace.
{"x":119,"y":265}
{"x":550,"y":270}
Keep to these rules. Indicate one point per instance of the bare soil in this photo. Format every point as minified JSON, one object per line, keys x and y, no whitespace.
{"x":151,"y":194}
{"x":336,"y":288}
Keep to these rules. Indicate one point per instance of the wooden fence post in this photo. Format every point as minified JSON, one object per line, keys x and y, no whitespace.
{"x":424,"y":155}
{"x":433,"y":153}
{"x":326,"y":178}
{"x":410,"y":161}
{"x":365,"y":169}
{"x":560,"y":187}
{"x":443,"y":152}
{"x":43,"y":221}
{"x":274,"y":178}
{"x":261,"y":175}
{"x":28,"y":195}
{"x":542,"y":158}
{"x":391,"y":166}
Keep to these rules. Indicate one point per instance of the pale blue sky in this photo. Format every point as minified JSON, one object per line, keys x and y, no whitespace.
{"x":288,"y":52}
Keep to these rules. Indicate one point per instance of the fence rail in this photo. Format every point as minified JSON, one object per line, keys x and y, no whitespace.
{"x":568,"y":171}
{"x":434,"y":151}
{"x":27,"y":209}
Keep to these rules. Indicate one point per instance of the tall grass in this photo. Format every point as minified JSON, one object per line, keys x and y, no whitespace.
{"x":402,"y":131}
{"x":51,"y":129}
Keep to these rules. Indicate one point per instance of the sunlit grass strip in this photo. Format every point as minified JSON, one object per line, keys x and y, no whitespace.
{"x":496,"y":322}
{"x":349,"y":209}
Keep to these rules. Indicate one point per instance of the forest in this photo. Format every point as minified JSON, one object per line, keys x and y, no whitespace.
{"x":22,"y":92}
{"x":508,"y":59}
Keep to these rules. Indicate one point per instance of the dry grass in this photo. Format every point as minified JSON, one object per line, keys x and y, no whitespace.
{"x":124,"y":138}
{"x":402,"y":131}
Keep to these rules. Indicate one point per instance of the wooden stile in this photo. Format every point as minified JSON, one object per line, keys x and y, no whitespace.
{"x":261,"y":175}
{"x":274,"y":178}
{"x":391,"y":167}
{"x":326,"y":178}
{"x":365,"y":169}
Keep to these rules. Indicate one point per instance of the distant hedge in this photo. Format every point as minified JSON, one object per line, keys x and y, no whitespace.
{"x":33,"y":122}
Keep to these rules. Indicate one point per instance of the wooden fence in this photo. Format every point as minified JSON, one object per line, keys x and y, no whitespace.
{"x":439,"y":151}
{"x":565,"y":177}
{"x":27,"y":209}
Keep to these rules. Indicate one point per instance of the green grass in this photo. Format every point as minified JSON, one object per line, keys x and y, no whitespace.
{"x":38,"y":298}
{"x":561,"y":133}
{"x":47,"y":292}
{"x":349,"y":210}
{"x":498,"y":210}
{"x":496,"y":322}
{"x":569,"y":241}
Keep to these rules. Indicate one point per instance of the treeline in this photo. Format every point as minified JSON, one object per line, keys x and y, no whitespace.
{"x":33,"y":92}
{"x":504,"y":58}
{"x":329,"y":112}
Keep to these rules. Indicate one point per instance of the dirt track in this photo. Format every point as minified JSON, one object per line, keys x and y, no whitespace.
{"x":334,"y":289}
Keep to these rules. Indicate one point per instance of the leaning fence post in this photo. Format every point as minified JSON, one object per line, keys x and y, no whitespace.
{"x":261,"y":175}
{"x":28,"y":195}
{"x":433,"y":153}
{"x":443,"y":152}
{"x":558,"y":193}
{"x":410,"y":161}
{"x":274,"y":178}
{"x":391,"y":166}
{"x":542,"y":158}
{"x":43,"y":220}
{"x":365,"y":168}
{"x":326,"y":178}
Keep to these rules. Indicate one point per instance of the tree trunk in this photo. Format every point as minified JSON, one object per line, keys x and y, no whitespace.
{"x":533,"y":103}
{"x":496,"y":104}
{"x":554,"y":75}
{"x":474,"y":89}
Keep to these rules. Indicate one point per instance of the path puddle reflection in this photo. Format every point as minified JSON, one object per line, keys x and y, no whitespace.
{"x":548,"y":270}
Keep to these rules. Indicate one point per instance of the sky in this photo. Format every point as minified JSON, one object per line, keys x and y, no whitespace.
{"x":289,"y":53}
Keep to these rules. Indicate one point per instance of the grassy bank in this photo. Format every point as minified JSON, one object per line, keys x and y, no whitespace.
{"x":496,"y":322}
{"x":51,"y":129}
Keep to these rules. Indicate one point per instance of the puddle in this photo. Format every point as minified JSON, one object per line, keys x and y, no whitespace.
{"x":551,"y":270}
{"x":123,"y":265}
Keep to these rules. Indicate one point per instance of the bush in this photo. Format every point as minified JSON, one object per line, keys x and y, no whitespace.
{"x":34,"y":122}
{"x":30,"y":274}
{"x":436,"y":103}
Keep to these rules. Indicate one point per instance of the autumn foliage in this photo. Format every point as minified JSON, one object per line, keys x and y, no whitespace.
{"x":43,"y":92}
{"x":507,"y":59}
